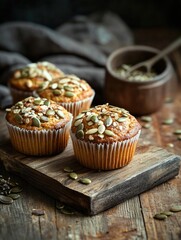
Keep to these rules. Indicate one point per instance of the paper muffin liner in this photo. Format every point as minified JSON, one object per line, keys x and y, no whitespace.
{"x":39,"y":142}
{"x":76,"y":107}
{"x":19,"y":95}
{"x":105,"y":156}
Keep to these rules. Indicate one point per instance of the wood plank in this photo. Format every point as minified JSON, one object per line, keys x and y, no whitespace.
{"x":150,"y":167}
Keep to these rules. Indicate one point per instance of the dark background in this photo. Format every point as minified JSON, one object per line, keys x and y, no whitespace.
{"x":52,"y":13}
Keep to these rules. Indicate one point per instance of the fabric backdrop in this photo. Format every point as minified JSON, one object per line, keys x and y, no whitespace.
{"x":79,"y":47}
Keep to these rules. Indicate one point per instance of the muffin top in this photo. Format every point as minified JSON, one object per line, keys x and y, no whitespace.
{"x":68,"y":88}
{"x":34,"y":75}
{"x":105,"y":124}
{"x":37,"y":114}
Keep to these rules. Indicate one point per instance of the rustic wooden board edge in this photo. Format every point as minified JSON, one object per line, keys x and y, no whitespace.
{"x":115,"y":197}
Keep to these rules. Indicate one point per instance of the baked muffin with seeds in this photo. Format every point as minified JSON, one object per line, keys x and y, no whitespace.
{"x":73,"y":93}
{"x":38,"y":126}
{"x":105,"y":137}
{"x":31,"y":77}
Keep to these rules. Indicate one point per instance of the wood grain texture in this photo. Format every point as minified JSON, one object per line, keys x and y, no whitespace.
{"x":149,"y":167}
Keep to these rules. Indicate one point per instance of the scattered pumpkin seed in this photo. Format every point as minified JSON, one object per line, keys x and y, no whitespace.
{"x":177,"y":132}
{"x":85,"y":181}
{"x":69,"y":94}
{"x":176,"y":208}
{"x":38,"y":212}
{"x":80,"y":134}
{"x":56,"y":92}
{"x":167,"y":213}
{"x":14,"y":196}
{"x":17,"y":189}
{"x":50,"y":112}
{"x":160,"y":216}
{"x":108,"y":121}
{"x":73,"y":175}
{"x":121,"y":119}
{"x":44,"y":119}
{"x":18,"y":118}
{"x":6,"y":199}
{"x":167,"y":121}
{"x":92,"y":131}
{"x":68,"y":169}
{"x":146,"y":118}
{"x":60,"y":114}
{"x":109,"y":133}
{"x":36,"y":122}
{"x":79,"y":121}
{"x":101,"y":129}
{"x":67,"y":210}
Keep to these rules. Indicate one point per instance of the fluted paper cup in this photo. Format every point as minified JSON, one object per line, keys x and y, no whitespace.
{"x":39,"y":142}
{"x":105,"y":156}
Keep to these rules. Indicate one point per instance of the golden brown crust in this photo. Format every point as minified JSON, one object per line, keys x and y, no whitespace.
{"x":105,"y":124}
{"x":34,"y":75}
{"x":38,"y":114}
{"x":68,"y":88}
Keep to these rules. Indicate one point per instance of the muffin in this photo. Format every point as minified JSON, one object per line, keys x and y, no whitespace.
{"x":73,"y":93}
{"x":29,"y":78}
{"x":38,"y":126}
{"x":105,"y":137}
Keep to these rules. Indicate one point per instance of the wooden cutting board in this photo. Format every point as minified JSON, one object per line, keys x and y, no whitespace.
{"x":150,"y":166}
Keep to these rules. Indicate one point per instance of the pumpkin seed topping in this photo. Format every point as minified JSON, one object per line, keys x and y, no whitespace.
{"x":108,"y":121}
{"x":109,"y":133}
{"x":121,"y":119}
{"x":167,"y":121}
{"x":60,"y":114}
{"x":29,"y":83}
{"x":92,"y":131}
{"x":67,"y":88}
{"x":38,"y":102}
{"x":79,"y":116}
{"x":47,"y":103}
{"x":90,"y":123}
{"x":101,"y":129}
{"x":80,"y":134}
{"x":18,"y":118}
{"x":146,"y":118}
{"x":69,"y":94}
{"x":36,"y":122}
{"x":50,"y":112}
{"x":80,"y":127}
{"x":94,"y":119}
{"x":79,"y":121}
{"x":54,"y":85}
{"x":56,"y":92}
{"x":177,"y":131}
{"x":44,"y":119}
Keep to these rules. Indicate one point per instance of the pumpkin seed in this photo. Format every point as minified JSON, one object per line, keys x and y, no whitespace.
{"x":43,"y":85}
{"x":36,"y":122}
{"x":17,"y":74}
{"x":92,"y":131}
{"x":79,"y":121}
{"x":146,"y":118}
{"x":17,"y":189}
{"x":167,"y":213}
{"x":38,"y":102}
{"x":29,"y":83}
{"x":60,"y":114}
{"x":101,"y":135}
{"x":167,"y":121}
{"x":177,"y":131}
{"x":68,"y":169}
{"x":38,"y":212}
{"x":69,"y":94}
{"x":101,"y":129}
{"x":109,"y":133}
{"x":67,"y":88}
{"x":64,"y":80}
{"x":121,"y":119}
{"x":79,"y":116}
{"x":80,"y":127}
{"x":44,"y":119}
{"x":108,"y":121}
{"x":18,"y":118}
{"x":6,"y":199}
{"x":85,"y":181}
{"x":73,"y":175}
{"x":60,"y":86}
{"x":170,"y":145}
{"x":176,"y":208}
{"x":67,"y":210}
{"x":59,"y":205}
{"x":54,"y":86}
{"x":94,"y":119}
{"x":14,"y":196}
{"x":160,"y":216}
{"x":56,"y":92}
{"x":147,"y":125}
{"x":90,"y":123}
{"x":80,"y":134}
{"x":50,"y":112}
{"x":47,"y":103}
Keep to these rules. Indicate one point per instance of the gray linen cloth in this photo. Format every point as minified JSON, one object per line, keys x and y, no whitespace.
{"x":79,"y":47}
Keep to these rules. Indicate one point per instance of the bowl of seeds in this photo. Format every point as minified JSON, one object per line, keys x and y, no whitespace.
{"x":139,"y":91}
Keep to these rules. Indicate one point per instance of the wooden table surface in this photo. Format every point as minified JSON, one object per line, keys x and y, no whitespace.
{"x":132,"y":219}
